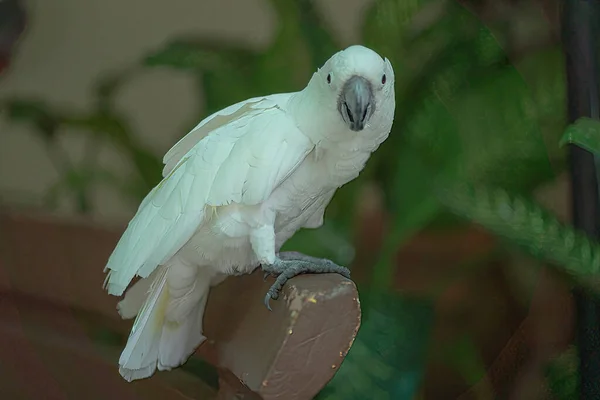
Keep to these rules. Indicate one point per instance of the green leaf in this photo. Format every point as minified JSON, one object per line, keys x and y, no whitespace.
{"x":544,"y":74}
{"x":320,"y":41}
{"x":78,"y":182}
{"x":199,"y":54}
{"x":341,"y":209}
{"x":226,"y":71}
{"x":420,"y":216}
{"x":35,"y":112}
{"x":500,"y":134}
{"x":287,"y":64}
{"x":107,"y":87}
{"x":53,"y":193}
{"x":585,"y":133}
{"x":386,"y":25}
{"x":414,"y":206}
{"x":527,"y":225}
{"x":490,"y":128}
{"x":328,"y":241}
{"x":464,"y":357}
{"x":387,"y":358}
{"x":115,"y":128}
{"x":563,"y":376}
{"x":225,"y":87}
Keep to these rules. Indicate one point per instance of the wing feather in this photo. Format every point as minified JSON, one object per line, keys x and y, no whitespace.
{"x":242,"y":160}
{"x":200,"y":131}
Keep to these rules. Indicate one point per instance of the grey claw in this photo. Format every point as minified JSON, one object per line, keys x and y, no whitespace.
{"x":345,"y":272}
{"x":293,"y":264}
{"x":267,"y":299}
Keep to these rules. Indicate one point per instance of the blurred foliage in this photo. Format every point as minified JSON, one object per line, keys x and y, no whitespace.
{"x":387,"y":358}
{"x":562,"y":375}
{"x":100,"y":124}
{"x":466,"y":360}
{"x":465,"y":113}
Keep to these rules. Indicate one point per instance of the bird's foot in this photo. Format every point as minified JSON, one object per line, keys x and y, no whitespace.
{"x":290,"y":264}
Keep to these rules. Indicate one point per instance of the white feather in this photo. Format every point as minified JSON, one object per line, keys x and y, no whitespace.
{"x":139,"y":358}
{"x":206,"y":126}
{"x":168,"y":327}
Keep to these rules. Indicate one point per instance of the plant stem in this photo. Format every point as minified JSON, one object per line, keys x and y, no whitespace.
{"x":579,"y":16}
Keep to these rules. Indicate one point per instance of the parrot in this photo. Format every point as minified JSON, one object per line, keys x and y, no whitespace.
{"x":234,"y":190}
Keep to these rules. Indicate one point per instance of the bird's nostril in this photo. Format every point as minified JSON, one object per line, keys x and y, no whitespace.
{"x":349,"y":112}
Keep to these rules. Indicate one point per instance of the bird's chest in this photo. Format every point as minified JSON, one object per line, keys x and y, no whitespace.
{"x":299,"y":201}
{"x":310,"y":188}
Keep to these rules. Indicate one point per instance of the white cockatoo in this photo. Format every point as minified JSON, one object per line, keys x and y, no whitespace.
{"x":234,"y":190}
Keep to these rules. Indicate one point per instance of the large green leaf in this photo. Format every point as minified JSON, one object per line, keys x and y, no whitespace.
{"x":527,"y":225}
{"x":387,"y":358}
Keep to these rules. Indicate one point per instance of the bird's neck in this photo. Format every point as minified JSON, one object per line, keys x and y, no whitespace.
{"x":314,"y":116}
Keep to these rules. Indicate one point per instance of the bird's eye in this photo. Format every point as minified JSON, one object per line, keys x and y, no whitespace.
{"x":329,"y":78}
{"x":383,"y":79}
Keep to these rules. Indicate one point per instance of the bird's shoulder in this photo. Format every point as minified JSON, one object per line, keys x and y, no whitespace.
{"x":233,"y":122}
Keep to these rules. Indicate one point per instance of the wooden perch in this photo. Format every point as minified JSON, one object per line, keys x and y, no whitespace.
{"x":52,"y":302}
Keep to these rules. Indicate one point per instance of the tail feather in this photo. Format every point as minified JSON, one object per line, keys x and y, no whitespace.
{"x":157,"y":340}
{"x":180,"y":340}
{"x":135,"y":297}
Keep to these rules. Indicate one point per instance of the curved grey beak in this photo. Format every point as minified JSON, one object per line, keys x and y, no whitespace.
{"x":356,"y":102}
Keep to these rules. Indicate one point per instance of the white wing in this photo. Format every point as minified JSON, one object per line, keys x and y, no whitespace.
{"x":241,"y":161}
{"x":201,"y":130}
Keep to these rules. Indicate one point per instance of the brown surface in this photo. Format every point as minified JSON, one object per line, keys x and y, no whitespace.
{"x":290,"y":353}
{"x":49,"y":352}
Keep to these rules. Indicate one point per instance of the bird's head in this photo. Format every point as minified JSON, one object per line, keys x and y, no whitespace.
{"x":360,"y":83}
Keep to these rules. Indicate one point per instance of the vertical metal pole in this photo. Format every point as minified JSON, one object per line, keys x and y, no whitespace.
{"x":580,"y":17}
